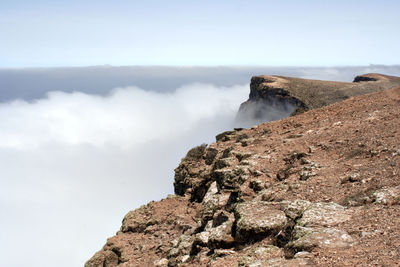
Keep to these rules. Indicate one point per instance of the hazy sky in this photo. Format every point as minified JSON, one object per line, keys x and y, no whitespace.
{"x":234,"y":32}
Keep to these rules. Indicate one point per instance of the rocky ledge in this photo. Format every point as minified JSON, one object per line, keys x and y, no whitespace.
{"x":320,"y":188}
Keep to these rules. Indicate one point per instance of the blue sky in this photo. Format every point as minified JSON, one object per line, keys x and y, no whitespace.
{"x":280,"y":33}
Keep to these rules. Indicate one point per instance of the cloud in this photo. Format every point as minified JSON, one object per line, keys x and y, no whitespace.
{"x":73,"y":164}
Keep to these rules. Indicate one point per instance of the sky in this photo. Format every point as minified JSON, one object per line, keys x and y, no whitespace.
{"x":207,"y":33}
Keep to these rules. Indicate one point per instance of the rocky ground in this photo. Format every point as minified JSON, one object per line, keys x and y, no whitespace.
{"x":321,"y":188}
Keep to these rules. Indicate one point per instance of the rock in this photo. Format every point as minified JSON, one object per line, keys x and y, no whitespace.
{"x":224,"y":162}
{"x":248,"y":162}
{"x":211,"y":154}
{"x":256,"y":185}
{"x":225,"y":136}
{"x":221,"y":233}
{"x":295,"y":209}
{"x":181,"y":246}
{"x":103,"y":258}
{"x":324,"y":214}
{"x":161,"y":263}
{"x":185,"y":258}
{"x":210,"y":201}
{"x":307,"y":238}
{"x":352,"y":178}
{"x":202,"y":238}
{"x":223,"y":252}
{"x":138,"y":220}
{"x":242,"y":155}
{"x":259,"y":255}
{"x":387,"y":196}
{"x":227,"y":152}
{"x":306,"y":173}
{"x":247,"y":141}
{"x":231,"y":178}
{"x":281,"y":262}
{"x":302,"y":254}
{"x":256,"y":219}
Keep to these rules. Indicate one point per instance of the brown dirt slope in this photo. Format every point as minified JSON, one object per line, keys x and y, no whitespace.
{"x":306,"y":94}
{"x":318,"y":189}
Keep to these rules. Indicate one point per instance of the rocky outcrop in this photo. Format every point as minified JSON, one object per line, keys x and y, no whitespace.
{"x":275,"y":97}
{"x":320,"y":188}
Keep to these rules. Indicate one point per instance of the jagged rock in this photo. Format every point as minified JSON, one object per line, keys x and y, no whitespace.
{"x":225,"y":136}
{"x":231,"y":178}
{"x":307,"y":238}
{"x":221,"y":232}
{"x":224,"y":162}
{"x":295,"y":209}
{"x":256,"y":219}
{"x":210,"y":201}
{"x":202,"y":238}
{"x":137,"y":220}
{"x":387,"y":196}
{"x":181,"y":246}
{"x":324,"y":214}
{"x":103,"y":258}
{"x":241,"y":156}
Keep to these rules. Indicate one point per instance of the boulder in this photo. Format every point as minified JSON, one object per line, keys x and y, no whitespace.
{"x":307,"y":238}
{"x":260,"y":255}
{"x":387,"y":196}
{"x":257,"y":219}
{"x":324,"y":214}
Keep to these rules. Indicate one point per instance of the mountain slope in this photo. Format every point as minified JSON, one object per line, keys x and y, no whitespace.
{"x":319,"y":188}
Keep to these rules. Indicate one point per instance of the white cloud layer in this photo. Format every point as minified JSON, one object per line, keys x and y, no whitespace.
{"x":73,"y":164}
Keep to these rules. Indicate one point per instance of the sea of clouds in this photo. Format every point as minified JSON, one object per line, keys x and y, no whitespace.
{"x":74,"y":160}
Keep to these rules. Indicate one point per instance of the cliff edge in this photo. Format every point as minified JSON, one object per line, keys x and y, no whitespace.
{"x":296,"y":95}
{"x":318,"y":189}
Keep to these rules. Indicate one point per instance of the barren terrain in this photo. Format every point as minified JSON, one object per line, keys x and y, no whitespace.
{"x":321,"y":188}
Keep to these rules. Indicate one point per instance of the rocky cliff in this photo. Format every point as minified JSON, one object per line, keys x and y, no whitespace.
{"x":295,"y":95}
{"x":319,"y":188}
